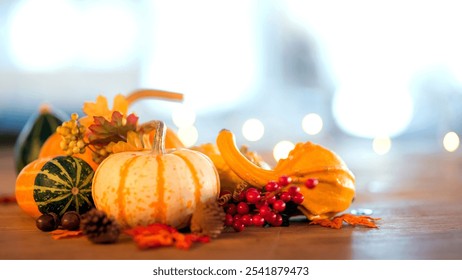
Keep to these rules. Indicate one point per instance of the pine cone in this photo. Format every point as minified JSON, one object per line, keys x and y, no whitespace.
{"x":98,"y":227}
{"x":208,"y":219}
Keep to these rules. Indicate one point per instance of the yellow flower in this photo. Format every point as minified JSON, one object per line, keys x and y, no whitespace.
{"x":101,"y":108}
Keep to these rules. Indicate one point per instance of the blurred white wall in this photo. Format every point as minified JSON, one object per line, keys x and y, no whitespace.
{"x":360,"y":69}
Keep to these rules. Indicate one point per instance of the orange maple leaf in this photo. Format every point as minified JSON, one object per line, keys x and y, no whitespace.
{"x":100,"y":108}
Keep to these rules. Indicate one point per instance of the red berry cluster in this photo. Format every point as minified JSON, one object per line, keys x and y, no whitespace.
{"x":270,"y":206}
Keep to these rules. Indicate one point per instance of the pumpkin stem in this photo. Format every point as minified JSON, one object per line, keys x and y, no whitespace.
{"x":158,"y":146}
{"x":153,"y":93}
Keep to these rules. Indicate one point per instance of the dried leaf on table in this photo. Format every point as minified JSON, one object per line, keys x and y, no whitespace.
{"x":61,"y":233}
{"x":158,"y":235}
{"x":337,"y":222}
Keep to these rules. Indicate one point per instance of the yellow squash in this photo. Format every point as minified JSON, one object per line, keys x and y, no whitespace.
{"x":336,"y":183}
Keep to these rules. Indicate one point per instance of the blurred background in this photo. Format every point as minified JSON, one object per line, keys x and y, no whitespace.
{"x":361,"y":77}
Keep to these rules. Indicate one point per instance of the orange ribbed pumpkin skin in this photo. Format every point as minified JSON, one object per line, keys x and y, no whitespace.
{"x":24,"y":189}
{"x":140,"y":188}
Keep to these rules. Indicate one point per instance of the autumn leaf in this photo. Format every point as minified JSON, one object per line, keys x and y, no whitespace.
{"x":120,"y":104}
{"x":103,"y":132}
{"x":100,"y":108}
{"x":135,"y":142}
{"x":158,"y":235}
{"x":337,"y":221}
{"x":61,"y":234}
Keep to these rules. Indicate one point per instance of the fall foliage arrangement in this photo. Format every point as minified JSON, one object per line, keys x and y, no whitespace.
{"x":105,"y":174}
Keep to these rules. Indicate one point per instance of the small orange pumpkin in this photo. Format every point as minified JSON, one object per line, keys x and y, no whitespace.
{"x":144,"y":187}
{"x":24,"y":189}
{"x":51,"y":148}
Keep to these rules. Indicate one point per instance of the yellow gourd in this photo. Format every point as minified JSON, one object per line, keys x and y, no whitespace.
{"x":228,"y":179}
{"x":336,"y":183}
{"x":144,"y":187}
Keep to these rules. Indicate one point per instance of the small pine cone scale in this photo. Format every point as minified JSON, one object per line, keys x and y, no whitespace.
{"x":208,"y":219}
{"x":99,"y":228}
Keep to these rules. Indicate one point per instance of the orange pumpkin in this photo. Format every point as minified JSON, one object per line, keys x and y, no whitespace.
{"x":51,"y":146}
{"x":24,"y":189}
{"x":144,"y":187}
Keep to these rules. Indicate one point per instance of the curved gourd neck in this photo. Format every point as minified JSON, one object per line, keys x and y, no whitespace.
{"x":153,"y":93}
{"x":244,"y":168}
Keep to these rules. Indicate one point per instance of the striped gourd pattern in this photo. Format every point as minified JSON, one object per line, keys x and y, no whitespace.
{"x":34,"y":134}
{"x":24,"y":189}
{"x":64,"y":184}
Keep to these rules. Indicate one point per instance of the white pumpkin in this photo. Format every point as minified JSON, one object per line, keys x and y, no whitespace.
{"x":140,"y":188}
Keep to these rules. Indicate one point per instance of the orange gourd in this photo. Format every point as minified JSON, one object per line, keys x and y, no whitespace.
{"x":51,"y":148}
{"x":158,"y":186}
{"x":336,"y":183}
{"x":24,"y":189}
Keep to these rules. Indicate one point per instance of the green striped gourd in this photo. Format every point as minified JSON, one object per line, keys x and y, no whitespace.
{"x":35,"y":132}
{"x":64,"y":184}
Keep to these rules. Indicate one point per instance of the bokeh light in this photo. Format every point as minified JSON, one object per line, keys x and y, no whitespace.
{"x":282,"y":149}
{"x":188,"y":135}
{"x":49,"y":35}
{"x":41,"y":34}
{"x":253,"y":129}
{"x":367,"y":109}
{"x":451,"y":141}
{"x":183,"y":116}
{"x":312,"y":124}
{"x":381,"y":145}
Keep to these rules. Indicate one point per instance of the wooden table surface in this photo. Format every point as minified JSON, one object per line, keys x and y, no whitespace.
{"x":417,"y":196}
